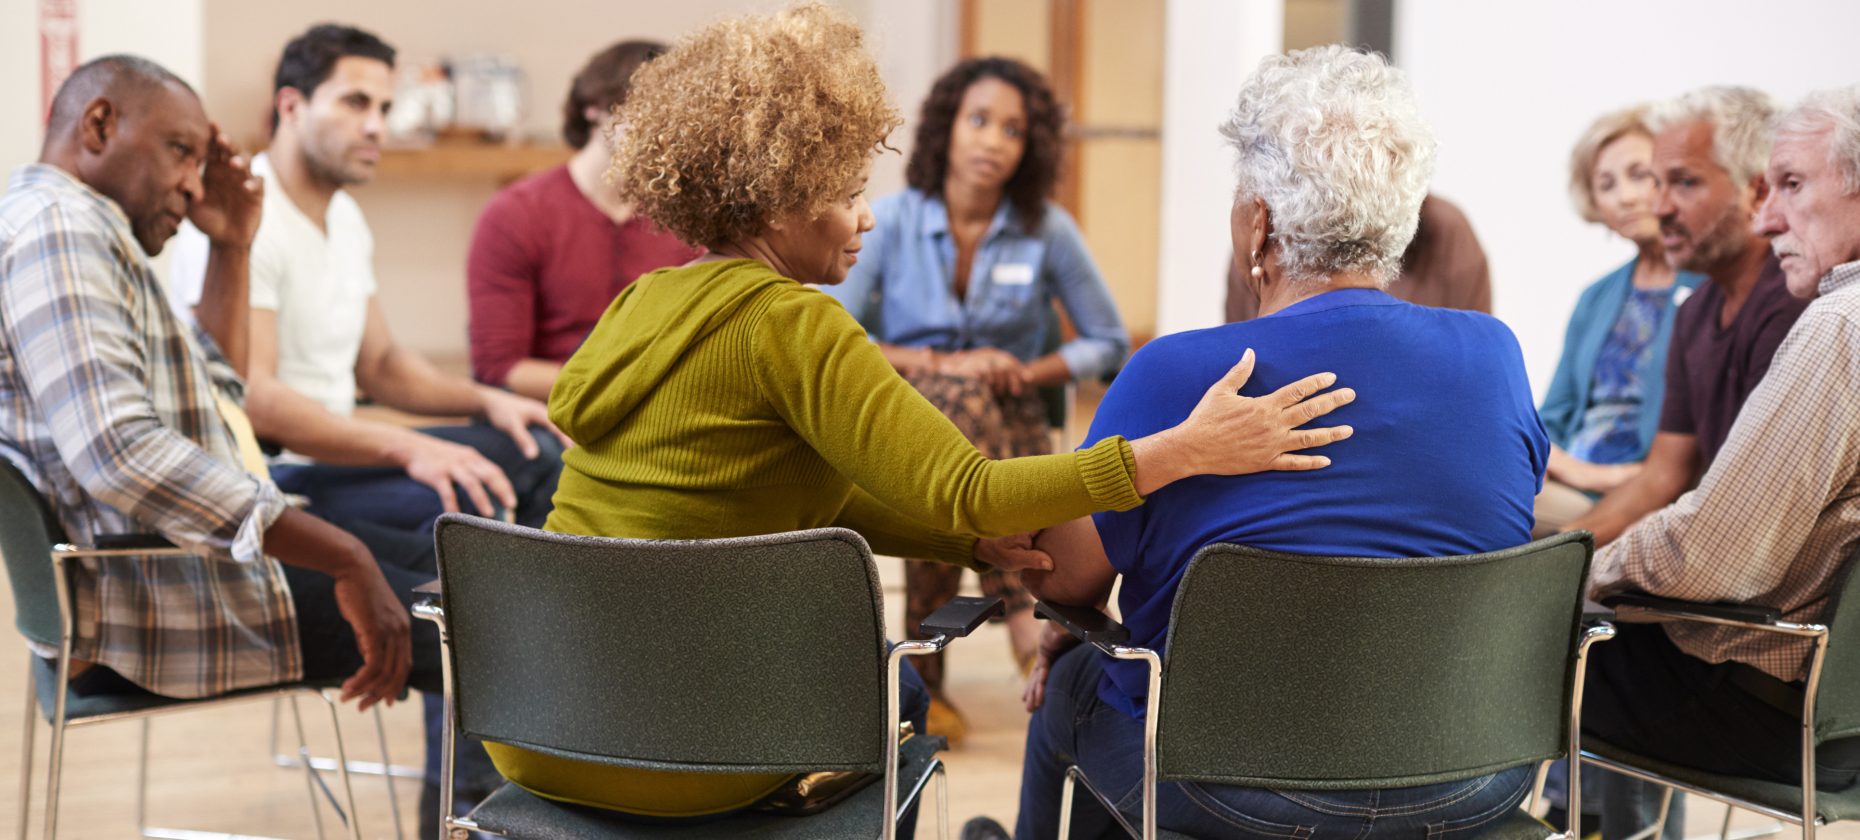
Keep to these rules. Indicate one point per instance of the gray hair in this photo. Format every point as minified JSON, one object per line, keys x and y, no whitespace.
{"x":117,"y":75}
{"x":1740,"y":125}
{"x":1836,"y":111}
{"x":1331,"y":139}
{"x":1604,"y":131}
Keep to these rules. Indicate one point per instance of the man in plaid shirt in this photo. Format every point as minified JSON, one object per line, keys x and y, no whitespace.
{"x":1776,"y":517}
{"x":111,"y":408}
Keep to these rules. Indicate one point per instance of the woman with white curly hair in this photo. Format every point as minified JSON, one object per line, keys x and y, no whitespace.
{"x":1334,"y":160}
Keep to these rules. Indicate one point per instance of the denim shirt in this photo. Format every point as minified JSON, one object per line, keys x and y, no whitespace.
{"x":902,"y":290}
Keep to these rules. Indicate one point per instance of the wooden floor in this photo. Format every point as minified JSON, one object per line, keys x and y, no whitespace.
{"x":212,"y":769}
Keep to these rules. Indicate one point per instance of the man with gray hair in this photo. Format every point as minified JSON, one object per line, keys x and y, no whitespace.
{"x":1777,"y":515}
{"x":1710,"y":149}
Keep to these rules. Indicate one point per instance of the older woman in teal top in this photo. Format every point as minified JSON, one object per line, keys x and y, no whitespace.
{"x":1603,"y":405}
{"x":957,"y":285}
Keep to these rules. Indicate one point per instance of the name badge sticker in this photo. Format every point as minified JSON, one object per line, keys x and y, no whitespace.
{"x":1012,"y":274}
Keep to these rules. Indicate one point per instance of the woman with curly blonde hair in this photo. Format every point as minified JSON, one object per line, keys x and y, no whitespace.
{"x":727,"y":398}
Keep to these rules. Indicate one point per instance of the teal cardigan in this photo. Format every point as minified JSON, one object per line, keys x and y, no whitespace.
{"x":1568,"y":398}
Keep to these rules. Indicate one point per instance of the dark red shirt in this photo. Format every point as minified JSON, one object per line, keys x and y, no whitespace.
{"x":1711,"y":371}
{"x":544,"y":264}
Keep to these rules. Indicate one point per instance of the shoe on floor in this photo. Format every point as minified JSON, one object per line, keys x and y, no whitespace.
{"x":983,"y":828}
{"x":944,"y":720}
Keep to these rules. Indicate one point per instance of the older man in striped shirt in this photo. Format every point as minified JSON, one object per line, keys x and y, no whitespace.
{"x":1776,"y":517}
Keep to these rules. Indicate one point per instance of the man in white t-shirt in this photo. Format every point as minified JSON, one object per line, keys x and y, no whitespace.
{"x":318,"y":332}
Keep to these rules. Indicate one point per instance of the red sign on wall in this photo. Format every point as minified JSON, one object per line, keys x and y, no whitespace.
{"x":58,"y":47}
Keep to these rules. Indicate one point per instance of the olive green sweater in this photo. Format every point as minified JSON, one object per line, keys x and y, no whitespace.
{"x":722,"y":400}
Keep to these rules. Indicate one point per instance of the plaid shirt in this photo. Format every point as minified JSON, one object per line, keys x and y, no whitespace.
{"x":1779,"y":511}
{"x":107,"y":404}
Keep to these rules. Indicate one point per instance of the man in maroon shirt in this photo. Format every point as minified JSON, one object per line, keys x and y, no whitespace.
{"x":1710,"y":149}
{"x":551,"y":251}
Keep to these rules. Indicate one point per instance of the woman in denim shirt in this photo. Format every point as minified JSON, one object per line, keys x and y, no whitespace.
{"x":957,"y":285}
{"x":1603,"y":404}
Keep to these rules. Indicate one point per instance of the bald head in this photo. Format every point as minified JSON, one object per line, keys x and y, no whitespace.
{"x":136,"y":133}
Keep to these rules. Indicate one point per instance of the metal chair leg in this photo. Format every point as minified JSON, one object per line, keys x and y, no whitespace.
{"x":1537,"y":787}
{"x":310,"y":780}
{"x":1065,"y":803}
{"x":1658,"y":829}
{"x":55,"y":770}
{"x":365,"y":768}
{"x":942,"y":802}
{"x":25,"y":749}
{"x":142,"y":782}
{"x":342,"y":765}
{"x":387,"y":773}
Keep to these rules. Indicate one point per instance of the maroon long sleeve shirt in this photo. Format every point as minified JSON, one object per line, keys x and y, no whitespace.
{"x":544,"y":264}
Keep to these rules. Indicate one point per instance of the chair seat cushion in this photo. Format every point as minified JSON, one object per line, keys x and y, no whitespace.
{"x":78,"y":708}
{"x":515,"y":812}
{"x":1832,"y":806}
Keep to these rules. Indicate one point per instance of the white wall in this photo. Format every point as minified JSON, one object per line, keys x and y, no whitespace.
{"x":168,"y":32}
{"x":914,"y":43}
{"x":1509,"y":86}
{"x":19,"y":95}
{"x":1209,"y":46}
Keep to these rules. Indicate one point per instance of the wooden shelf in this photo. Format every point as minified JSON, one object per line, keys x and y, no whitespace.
{"x":489,"y":161}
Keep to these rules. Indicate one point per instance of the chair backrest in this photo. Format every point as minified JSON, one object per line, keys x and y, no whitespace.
{"x":27,"y":533}
{"x":1305,"y":672}
{"x":1837,"y":703}
{"x":749,"y":655}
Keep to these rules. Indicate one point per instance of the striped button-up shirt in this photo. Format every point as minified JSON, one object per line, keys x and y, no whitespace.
{"x":1776,"y":516}
{"x":107,"y":404}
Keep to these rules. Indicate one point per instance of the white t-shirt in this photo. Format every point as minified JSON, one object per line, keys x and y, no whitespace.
{"x":318,"y":284}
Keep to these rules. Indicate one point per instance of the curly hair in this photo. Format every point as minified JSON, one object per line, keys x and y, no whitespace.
{"x":750,"y":120}
{"x":1033,"y":179}
{"x":1332,"y":141}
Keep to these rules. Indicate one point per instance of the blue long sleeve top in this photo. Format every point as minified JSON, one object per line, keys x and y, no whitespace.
{"x":902,"y":290}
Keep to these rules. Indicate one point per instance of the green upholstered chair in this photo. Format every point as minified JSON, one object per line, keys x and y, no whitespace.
{"x":1830,"y":707}
{"x":1332,"y":673}
{"x":36,"y":555}
{"x":749,"y":655}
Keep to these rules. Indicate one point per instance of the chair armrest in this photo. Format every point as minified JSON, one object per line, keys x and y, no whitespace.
{"x":120,"y":542}
{"x":1639,"y":607}
{"x":124,"y":545}
{"x":961,"y":616}
{"x":1086,"y":624}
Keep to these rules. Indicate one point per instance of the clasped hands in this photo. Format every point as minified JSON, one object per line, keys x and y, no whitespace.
{"x":994,"y":367}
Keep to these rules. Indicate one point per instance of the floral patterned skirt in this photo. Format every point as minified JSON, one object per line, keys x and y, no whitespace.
{"x":1000,"y":426}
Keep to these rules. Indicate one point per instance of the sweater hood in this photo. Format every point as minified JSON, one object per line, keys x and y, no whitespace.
{"x":644,"y":335}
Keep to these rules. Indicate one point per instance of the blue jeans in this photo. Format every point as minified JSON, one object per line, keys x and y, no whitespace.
{"x":1075,"y":727}
{"x":387,"y":497}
